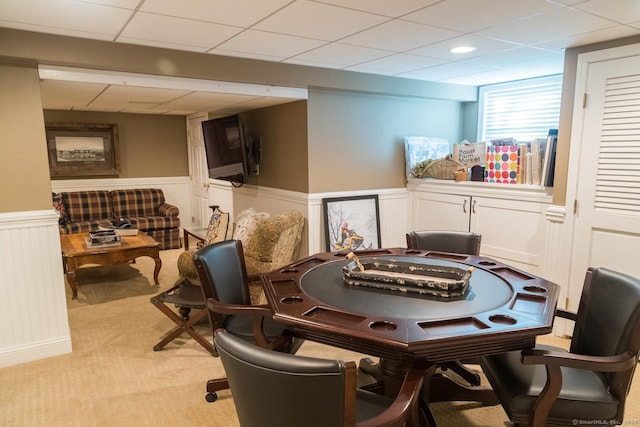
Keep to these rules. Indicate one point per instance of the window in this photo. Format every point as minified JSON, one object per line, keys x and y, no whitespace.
{"x":524,"y":109}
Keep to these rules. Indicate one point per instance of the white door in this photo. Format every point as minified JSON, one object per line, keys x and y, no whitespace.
{"x":606,"y":134}
{"x":435,"y":211}
{"x":198,"y":172}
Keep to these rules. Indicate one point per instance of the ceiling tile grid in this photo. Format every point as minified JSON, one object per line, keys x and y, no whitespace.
{"x":402,"y":38}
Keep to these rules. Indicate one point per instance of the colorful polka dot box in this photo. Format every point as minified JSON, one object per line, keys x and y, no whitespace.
{"x":502,"y":164}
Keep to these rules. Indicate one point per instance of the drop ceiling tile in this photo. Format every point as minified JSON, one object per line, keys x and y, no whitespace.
{"x":318,"y":21}
{"x":523,"y":57}
{"x":207,"y":101}
{"x":396,"y":64}
{"x":448,"y":70}
{"x":622,"y":11}
{"x":271,"y":45}
{"x":612,"y":33}
{"x":399,"y":36}
{"x":241,"y":13}
{"x":483,"y":45}
{"x":393,"y":9}
{"x":469,"y":16}
{"x":562,"y":22}
{"x":176,"y":31}
{"x":64,"y":17}
{"x":137,"y":94}
{"x":74,"y":92}
{"x":125,"y":4}
{"x":342,"y":54}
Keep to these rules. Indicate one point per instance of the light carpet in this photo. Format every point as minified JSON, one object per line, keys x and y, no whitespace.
{"x":113,"y":376}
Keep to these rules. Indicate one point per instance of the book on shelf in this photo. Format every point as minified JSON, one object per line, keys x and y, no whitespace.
{"x":549,"y":161}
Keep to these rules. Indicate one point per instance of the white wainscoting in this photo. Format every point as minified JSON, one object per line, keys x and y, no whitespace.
{"x":393,"y":205}
{"x":33,"y":307}
{"x":177,"y":190}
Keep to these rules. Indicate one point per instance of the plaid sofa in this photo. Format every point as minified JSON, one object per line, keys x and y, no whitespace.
{"x":145,"y":209}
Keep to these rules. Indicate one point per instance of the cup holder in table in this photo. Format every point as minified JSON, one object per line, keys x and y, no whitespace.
{"x":502,"y":319}
{"x":292,"y":300}
{"x":536,"y":289}
{"x":383,"y":325}
{"x":487,"y":263}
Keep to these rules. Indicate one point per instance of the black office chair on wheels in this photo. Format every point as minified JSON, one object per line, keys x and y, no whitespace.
{"x":588,"y":385}
{"x":225,"y":285}
{"x":285,"y":390}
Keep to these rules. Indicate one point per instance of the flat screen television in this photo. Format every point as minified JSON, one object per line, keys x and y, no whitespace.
{"x":225,"y":146}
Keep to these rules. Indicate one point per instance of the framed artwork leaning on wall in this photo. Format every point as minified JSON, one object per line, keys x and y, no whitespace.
{"x":352,"y":223}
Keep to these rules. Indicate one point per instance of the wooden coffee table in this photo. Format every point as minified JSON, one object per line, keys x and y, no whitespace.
{"x":75,"y":253}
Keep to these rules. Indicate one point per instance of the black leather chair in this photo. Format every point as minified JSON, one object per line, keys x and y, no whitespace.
{"x":458,"y":242}
{"x":225,"y":285}
{"x":548,"y":386}
{"x":285,"y":390}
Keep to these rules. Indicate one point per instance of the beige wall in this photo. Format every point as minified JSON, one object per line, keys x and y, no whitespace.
{"x":283,"y":133}
{"x":150,"y":145}
{"x":356,"y":141}
{"x":24,"y":175}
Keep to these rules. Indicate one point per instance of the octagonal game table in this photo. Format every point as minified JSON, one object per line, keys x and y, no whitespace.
{"x":504,"y":309}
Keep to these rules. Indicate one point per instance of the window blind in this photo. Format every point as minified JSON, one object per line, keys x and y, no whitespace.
{"x":524,"y":109}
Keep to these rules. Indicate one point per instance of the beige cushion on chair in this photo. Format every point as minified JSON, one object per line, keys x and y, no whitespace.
{"x":246,"y":224}
{"x":270,"y":242}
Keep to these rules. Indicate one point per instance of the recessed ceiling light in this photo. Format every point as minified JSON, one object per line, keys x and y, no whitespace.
{"x":462,"y":49}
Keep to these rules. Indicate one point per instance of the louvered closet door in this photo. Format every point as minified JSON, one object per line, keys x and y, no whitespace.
{"x":607,"y":223}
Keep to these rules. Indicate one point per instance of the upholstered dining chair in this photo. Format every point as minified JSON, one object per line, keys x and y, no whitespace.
{"x":223,"y":275}
{"x":587,"y":385}
{"x":458,"y":242}
{"x":286,"y":390}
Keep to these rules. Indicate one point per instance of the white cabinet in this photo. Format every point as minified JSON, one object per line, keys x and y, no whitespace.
{"x":512,"y":223}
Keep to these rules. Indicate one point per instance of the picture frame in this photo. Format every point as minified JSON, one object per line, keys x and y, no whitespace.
{"x":82,"y":150}
{"x":352,"y":223}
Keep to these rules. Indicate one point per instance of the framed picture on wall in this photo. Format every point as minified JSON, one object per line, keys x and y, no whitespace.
{"x":82,"y":150}
{"x":352,"y":223}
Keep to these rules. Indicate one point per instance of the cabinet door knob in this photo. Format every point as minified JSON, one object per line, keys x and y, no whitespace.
{"x":473,"y":207}
{"x":464,"y":206}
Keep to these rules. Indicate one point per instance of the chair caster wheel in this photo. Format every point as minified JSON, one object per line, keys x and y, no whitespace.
{"x":211,"y":397}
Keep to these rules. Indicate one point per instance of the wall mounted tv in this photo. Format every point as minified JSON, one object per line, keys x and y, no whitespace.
{"x":224,"y":143}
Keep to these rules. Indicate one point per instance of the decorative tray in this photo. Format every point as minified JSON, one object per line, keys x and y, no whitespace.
{"x":425,"y":279}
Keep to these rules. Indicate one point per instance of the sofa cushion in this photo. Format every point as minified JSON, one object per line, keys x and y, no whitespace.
{"x":246,"y":223}
{"x":139,"y":202}
{"x":154,"y":222}
{"x":90,"y":205}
